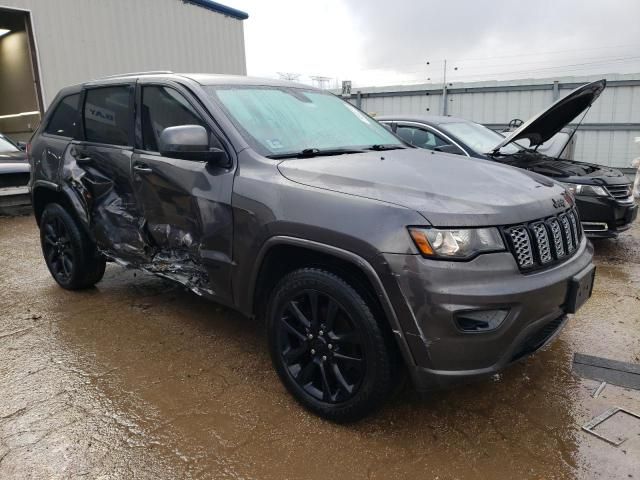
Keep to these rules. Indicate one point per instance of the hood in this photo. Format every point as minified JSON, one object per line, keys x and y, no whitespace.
{"x":547,"y":123}
{"x":447,"y":190}
{"x":564,"y":170}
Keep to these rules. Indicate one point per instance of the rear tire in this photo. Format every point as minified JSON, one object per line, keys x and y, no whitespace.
{"x":71,"y":256}
{"x":327,"y":347}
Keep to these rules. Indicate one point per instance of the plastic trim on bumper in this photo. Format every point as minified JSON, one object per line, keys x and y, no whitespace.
{"x":435,"y":293}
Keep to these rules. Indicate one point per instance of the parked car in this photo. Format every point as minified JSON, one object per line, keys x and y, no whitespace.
{"x":14,"y":177}
{"x":364,"y":257}
{"x":603,"y":194}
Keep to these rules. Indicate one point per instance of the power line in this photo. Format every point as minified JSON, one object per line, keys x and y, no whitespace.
{"x":568,"y":67}
{"x":546,"y":53}
{"x":590,"y":60}
{"x":460,"y":60}
{"x":563,"y":67}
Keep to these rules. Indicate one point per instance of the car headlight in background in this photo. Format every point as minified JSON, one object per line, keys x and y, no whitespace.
{"x":590,"y":190}
{"x":456,"y":243}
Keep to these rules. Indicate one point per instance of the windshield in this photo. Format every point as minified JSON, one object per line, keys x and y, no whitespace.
{"x":7,"y":146}
{"x":281,"y":120}
{"x":478,"y":137}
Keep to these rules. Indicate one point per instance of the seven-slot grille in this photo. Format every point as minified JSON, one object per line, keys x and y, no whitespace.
{"x":546,"y":241}
{"x":620,"y":192}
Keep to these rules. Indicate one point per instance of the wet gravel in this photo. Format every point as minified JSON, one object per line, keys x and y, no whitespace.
{"x":139,"y":379}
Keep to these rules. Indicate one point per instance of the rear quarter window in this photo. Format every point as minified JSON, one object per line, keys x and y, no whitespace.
{"x":107,"y":115}
{"x":65,"y":119}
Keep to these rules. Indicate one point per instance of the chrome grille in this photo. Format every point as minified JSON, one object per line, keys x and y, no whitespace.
{"x":620,"y":192}
{"x":542,"y":242}
{"x":545,"y":241}
{"x":575,"y":227}
{"x":568,"y":237}
{"x":522,"y":246}
{"x":557,"y":237}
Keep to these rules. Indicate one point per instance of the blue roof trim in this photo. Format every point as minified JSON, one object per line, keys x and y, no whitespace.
{"x":218,"y":7}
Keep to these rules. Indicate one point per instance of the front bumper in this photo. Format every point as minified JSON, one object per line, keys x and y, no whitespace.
{"x":605,"y":217}
{"x":436,"y":292}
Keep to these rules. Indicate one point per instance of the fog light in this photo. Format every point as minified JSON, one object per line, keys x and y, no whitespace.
{"x":480,"y":320}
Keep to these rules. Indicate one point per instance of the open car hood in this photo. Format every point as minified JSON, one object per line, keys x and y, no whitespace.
{"x":547,"y":123}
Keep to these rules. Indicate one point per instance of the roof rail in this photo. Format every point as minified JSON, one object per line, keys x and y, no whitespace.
{"x":135,"y":74}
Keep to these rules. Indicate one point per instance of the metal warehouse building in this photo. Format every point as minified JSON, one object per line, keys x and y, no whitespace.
{"x":48,"y":44}
{"x":607,"y":135}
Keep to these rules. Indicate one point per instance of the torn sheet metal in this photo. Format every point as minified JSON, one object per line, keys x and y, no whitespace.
{"x":174,"y":267}
{"x":168,"y":222}
{"x":181,"y":267}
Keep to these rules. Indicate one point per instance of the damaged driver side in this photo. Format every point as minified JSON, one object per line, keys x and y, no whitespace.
{"x":154,"y":183}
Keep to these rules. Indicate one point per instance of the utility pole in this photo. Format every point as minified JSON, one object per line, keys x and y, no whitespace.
{"x":444,"y":89}
{"x":444,"y":105}
{"x":320,"y":81}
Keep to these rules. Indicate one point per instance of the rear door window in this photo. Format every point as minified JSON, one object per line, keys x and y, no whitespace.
{"x":164,"y":107}
{"x":65,"y":120}
{"x":108,"y":116}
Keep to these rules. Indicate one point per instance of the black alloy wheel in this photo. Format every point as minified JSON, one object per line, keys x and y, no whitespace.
{"x":330,"y":350}
{"x":57,"y":248}
{"x":320,"y":347}
{"x":71,"y":256}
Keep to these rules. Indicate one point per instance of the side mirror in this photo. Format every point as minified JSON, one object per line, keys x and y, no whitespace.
{"x":22,"y":145}
{"x":190,"y":142}
{"x":448,"y":148}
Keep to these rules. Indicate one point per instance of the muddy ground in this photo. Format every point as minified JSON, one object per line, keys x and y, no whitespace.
{"x":140,"y":379}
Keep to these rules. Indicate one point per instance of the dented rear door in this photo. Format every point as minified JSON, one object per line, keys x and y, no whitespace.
{"x":99,"y":166}
{"x":186,"y":204}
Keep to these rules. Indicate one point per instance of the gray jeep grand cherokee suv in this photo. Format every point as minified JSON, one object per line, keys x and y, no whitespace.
{"x":364,"y":257}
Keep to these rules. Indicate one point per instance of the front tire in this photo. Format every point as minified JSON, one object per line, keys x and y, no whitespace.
{"x":71,"y":257}
{"x":327,"y":347}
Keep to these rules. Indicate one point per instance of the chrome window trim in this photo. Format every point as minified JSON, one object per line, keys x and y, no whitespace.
{"x":428,"y":127}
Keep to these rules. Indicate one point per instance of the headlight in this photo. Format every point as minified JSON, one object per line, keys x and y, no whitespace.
{"x":591,"y":190}
{"x":456,"y":243}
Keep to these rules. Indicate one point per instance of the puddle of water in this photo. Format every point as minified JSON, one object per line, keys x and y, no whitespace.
{"x":139,"y":378}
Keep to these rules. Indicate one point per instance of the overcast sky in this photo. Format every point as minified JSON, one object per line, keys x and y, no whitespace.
{"x":382,"y":42}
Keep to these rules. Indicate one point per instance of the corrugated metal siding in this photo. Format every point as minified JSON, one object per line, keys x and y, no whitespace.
{"x":495,"y":107}
{"x":614,"y":118}
{"x":79,"y":40}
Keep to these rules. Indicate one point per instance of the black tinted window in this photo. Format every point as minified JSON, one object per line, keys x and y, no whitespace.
{"x":107,"y":116}
{"x":164,"y":107}
{"x":65,"y":120}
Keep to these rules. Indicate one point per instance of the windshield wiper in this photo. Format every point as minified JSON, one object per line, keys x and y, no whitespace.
{"x":315,"y":152}
{"x":388,"y":146}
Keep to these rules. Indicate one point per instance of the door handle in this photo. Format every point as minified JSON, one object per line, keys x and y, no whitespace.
{"x":80,"y":157}
{"x":142,"y":168}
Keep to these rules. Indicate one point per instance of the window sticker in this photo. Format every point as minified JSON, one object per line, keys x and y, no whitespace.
{"x":100,"y":114}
